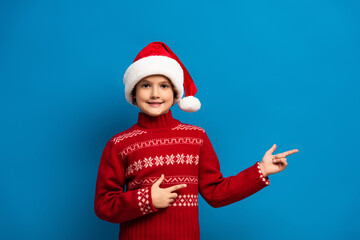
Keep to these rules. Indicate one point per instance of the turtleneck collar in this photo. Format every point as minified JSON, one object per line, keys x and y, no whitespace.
{"x":163,"y":121}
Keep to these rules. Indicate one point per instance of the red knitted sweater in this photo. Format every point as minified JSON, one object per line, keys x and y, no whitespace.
{"x":136,"y":158}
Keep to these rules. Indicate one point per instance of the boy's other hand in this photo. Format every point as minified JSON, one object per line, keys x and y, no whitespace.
{"x":164,"y":197}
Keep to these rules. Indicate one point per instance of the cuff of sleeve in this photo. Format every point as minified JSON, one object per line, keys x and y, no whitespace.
{"x":144,"y":200}
{"x":150,"y":201}
{"x":266,"y":180}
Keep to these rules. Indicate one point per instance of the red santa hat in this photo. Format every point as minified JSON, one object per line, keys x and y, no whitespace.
{"x":157,"y":58}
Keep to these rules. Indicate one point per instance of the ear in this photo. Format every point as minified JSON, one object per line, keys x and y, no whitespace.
{"x":134,"y":101}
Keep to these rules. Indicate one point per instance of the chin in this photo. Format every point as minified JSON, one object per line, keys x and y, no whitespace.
{"x":155,"y":113}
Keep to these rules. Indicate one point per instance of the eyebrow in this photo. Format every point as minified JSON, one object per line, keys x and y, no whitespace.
{"x":147,"y":81}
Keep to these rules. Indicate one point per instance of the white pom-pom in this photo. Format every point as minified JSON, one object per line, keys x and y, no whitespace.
{"x":189,"y":104}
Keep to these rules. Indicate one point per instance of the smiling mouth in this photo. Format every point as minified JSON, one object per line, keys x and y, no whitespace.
{"x":155,"y":103}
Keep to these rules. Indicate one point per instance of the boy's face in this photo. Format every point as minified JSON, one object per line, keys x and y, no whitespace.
{"x":154,"y":95}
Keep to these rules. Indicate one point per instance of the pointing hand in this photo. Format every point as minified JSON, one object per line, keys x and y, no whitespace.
{"x":163,"y":197}
{"x":271,"y":164}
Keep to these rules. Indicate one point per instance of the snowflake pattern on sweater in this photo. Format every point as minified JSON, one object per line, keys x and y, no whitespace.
{"x":161,"y":161}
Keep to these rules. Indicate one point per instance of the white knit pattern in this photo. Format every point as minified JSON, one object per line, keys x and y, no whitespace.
{"x":160,"y":142}
{"x":143,"y":200}
{"x":173,"y":180}
{"x":127,"y":135}
{"x":189,"y":200}
{"x":267,"y":181}
{"x":156,"y":161}
{"x":187,"y":127}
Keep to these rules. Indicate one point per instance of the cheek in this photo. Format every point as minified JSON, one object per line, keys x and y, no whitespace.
{"x":140,"y":94}
{"x":170,"y":94}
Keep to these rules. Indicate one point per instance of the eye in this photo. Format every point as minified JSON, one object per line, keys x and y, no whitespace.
{"x":165,"y":86}
{"x":145,"y":85}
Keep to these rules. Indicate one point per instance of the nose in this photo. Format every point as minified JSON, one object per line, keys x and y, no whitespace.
{"x":154,"y":92}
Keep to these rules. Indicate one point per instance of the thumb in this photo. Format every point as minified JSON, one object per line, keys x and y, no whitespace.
{"x":272,"y":149}
{"x":159,"y":181}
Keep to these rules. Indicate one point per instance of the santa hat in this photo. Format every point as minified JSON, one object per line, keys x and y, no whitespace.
{"x":157,"y":58}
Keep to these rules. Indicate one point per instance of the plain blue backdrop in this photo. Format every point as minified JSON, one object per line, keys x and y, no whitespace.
{"x":284,"y":72}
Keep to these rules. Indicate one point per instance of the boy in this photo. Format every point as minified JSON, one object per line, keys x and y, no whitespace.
{"x":164,"y":163}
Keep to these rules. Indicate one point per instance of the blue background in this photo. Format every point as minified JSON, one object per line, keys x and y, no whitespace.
{"x":284,"y":72}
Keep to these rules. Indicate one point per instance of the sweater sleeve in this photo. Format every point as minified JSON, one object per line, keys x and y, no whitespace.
{"x":219,"y":191}
{"x":112,"y":204}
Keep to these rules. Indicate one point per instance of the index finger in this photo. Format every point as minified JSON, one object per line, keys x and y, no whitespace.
{"x":287,"y":153}
{"x":176,"y":187}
